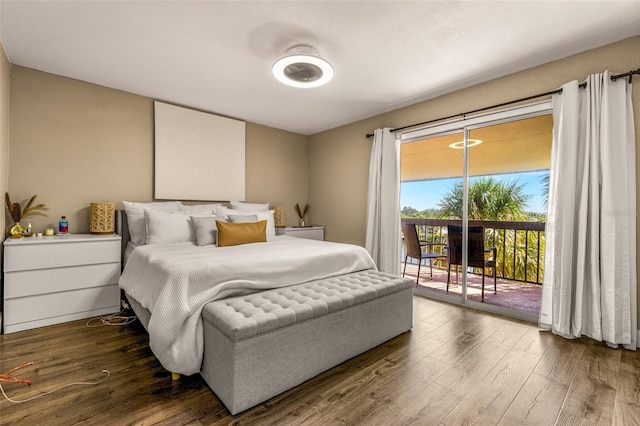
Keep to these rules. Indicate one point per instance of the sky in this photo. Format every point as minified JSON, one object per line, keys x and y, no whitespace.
{"x":426,"y":194}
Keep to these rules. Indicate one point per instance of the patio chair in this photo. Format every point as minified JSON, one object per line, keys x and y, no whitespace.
{"x":414,"y":249}
{"x":476,"y":256}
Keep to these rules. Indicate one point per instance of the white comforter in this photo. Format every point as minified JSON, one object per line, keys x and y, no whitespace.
{"x":175,"y":281}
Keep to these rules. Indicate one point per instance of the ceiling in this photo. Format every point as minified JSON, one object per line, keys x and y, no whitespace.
{"x":511,"y":147}
{"x":216,"y":56}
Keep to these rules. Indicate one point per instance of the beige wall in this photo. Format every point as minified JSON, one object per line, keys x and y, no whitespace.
{"x":74,"y":143}
{"x":5,"y":78}
{"x":277,"y":168}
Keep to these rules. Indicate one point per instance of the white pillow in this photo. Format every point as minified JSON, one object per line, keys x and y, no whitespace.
{"x":268,"y":216}
{"x":205,"y":229}
{"x":136,"y":220}
{"x":167,"y":227}
{"x":224,"y":211}
{"x":249,"y":207}
{"x":200,"y":208}
{"x":243,"y":218}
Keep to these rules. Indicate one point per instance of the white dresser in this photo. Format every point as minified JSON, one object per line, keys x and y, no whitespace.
{"x":311,"y":232}
{"x":49,"y":280}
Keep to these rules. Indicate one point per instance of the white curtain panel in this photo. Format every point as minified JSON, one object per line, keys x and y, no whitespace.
{"x":383,"y":202}
{"x":589,"y":285}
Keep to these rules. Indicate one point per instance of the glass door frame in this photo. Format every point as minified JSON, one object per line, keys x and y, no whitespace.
{"x":464,"y":125}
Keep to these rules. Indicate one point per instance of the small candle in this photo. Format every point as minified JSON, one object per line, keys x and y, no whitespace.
{"x":48,"y":232}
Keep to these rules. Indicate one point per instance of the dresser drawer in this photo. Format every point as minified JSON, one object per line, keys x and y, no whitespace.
{"x":60,"y":254}
{"x":49,"y":280}
{"x":55,"y":307}
{"x":43,"y":281}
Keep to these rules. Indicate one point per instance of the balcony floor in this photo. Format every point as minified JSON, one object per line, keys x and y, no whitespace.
{"x":520,"y":296}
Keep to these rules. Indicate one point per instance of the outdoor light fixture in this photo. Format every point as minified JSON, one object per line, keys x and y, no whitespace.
{"x":460,"y":144}
{"x":303,"y":67}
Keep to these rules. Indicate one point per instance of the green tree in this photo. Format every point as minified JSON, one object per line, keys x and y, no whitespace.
{"x":410,"y":212}
{"x":545,"y":181}
{"x":498,"y":200}
{"x":489,"y":199}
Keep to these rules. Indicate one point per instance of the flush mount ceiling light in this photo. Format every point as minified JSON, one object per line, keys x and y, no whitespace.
{"x":302,"y":66}
{"x":460,"y":145}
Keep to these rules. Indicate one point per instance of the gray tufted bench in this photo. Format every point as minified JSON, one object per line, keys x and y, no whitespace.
{"x":260,"y":345}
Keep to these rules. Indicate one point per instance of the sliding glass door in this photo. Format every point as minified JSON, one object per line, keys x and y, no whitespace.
{"x":430,"y":171}
{"x":478,"y":189}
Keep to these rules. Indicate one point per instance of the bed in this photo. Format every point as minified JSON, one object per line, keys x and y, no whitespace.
{"x":273,"y":317}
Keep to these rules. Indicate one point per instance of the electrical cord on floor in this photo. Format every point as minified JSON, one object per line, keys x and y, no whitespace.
{"x":114,"y":320}
{"x":7,"y":378}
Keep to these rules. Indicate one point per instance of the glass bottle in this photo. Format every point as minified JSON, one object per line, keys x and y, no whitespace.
{"x":63,"y":226}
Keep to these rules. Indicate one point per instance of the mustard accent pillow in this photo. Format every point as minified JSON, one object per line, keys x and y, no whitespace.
{"x":233,"y":234}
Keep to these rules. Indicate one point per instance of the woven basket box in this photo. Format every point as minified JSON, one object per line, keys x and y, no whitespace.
{"x":103,"y":218}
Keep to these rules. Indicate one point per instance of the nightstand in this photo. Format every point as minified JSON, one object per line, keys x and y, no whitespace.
{"x":311,"y":232}
{"x":49,"y":280}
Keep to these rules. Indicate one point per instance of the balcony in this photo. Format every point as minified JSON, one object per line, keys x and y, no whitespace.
{"x":520,"y":262}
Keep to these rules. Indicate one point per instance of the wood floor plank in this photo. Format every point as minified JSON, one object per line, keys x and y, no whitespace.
{"x":601,"y":362}
{"x":475,"y":365}
{"x":535,"y":341}
{"x":448,"y":330}
{"x":407,"y":392}
{"x":589,"y":401}
{"x":561,"y":360}
{"x":591,"y":396}
{"x":467,"y":339}
{"x":447,"y":314}
{"x":425,"y":309}
{"x":422,"y":346}
{"x":538,"y":403}
{"x":487,"y":402}
{"x":627,"y":406}
{"x":435,"y":403}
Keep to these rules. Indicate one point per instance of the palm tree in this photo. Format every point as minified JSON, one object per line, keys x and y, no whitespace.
{"x":545,"y":181}
{"x":497,"y":200}
{"x":489,"y":199}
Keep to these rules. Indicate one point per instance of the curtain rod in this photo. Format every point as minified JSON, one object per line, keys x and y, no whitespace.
{"x":528,"y":98}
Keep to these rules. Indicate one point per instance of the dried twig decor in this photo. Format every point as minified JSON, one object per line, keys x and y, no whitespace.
{"x":302,"y":213}
{"x":18,"y":212}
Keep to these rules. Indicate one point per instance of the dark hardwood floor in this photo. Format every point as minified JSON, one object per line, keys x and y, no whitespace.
{"x":457,"y":366}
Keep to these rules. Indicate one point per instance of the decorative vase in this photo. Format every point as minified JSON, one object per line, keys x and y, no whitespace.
{"x":16,"y":230}
{"x":301,"y":221}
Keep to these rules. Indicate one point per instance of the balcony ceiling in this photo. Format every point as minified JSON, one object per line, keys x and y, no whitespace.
{"x":518,"y":146}
{"x":216,"y":56}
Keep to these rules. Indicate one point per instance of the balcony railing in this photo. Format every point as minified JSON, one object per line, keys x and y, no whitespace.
{"x":519,"y":245}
